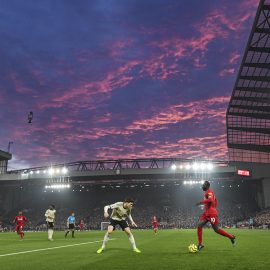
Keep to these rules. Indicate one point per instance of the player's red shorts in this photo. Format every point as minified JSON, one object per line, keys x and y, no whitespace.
{"x":212,"y":218}
{"x":19,"y":228}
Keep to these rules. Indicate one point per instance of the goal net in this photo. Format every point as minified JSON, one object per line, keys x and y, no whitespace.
{"x":104,"y":225}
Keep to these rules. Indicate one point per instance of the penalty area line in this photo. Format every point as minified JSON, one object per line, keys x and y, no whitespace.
{"x":44,"y":249}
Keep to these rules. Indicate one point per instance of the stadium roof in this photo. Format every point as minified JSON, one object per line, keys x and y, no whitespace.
{"x":5,"y":155}
{"x":248,"y":113}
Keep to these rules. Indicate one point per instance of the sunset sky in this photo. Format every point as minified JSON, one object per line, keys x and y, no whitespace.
{"x":109,"y":79}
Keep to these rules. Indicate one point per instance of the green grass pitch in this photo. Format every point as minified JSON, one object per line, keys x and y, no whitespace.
{"x":167,"y":250}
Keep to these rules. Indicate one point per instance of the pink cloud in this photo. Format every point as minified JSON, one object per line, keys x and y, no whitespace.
{"x":116,"y":47}
{"x":19,"y":84}
{"x":212,"y":147}
{"x":196,"y":110}
{"x":94,"y":92}
{"x":217,"y":25}
{"x":162,"y":62}
{"x":234,"y":57}
{"x":102,"y":119}
{"x":226,"y":71}
{"x":71,"y":131}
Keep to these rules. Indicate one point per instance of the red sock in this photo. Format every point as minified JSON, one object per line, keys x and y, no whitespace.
{"x":222,"y":232}
{"x":199,"y":232}
{"x":22,"y":235}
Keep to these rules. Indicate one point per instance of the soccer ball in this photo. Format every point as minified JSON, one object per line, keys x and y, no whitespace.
{"x":192,"y":248}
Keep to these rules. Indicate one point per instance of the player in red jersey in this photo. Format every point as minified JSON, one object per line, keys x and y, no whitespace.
{"x":20,"y":220}
{"x":155,"y":224}
{"x":81,"y":225}
{"x":210,"y":214}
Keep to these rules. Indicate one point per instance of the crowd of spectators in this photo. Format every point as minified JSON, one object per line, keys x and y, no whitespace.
{"x":263,"y":218}
{"x":168,"y":217}
{"x":174,"y":208}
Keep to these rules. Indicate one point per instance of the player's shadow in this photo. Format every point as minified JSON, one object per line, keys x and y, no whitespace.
{"x":110,"y":250}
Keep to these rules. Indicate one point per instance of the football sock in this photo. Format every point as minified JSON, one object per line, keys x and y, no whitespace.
{"x":21,"y":235}
{"x":199,"y":232}
{"x":50,"y":233}
{"x":222,"y":232}
{"x":132,"y":241}
{"x":105,"y":240}
{"x":66,"y":233}
{"x":72,"y":233}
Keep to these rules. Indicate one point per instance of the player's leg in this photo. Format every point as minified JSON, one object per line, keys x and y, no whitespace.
{"x":21,"y":232}
{"x":131,"y":238}
{"x":50,"y":231}
{"x":73,"y":231}
{"x":217,"y":229}
{"x":67,"y":232}
{"x":18,"y":230}
{"x":111,"y":228}
{"x":200,"y":226}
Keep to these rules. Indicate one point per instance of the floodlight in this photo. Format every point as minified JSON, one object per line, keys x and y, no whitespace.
{"x":173,"y":167}
{"x":195,"y":166}
{"x":210,"y":166}
{"x":51,"y":171}
{"x":187,"y":166}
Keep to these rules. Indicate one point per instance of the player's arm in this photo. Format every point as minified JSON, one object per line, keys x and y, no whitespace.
{"x":14,"y":221}
{"x":27,"y":220}
{"x":110,"y":206}
{"x":132,"y":221}
{"x":210,"y":199}
{"x":47,"y":214}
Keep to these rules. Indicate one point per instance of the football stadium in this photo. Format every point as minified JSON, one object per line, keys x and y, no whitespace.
{"x":112,"y":198}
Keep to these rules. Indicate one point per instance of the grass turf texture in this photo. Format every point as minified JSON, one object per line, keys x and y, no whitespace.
{"x":167,"y":250}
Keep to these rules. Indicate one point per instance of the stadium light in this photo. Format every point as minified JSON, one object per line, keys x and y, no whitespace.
{"x":193,"y":182}
{"x":57,"y":170}
{"x":187,"y":166}
{"x":181,"y":167}
{"x":51,"y":171}
{"x":37,"y":171}
{"x":173,"y":167}
{"x":195,"y":166}
{"x":57,"y":186}
{"x":31,"y":172}
{"x":210,"y":166}
{"x":202,"y":166}
{"x":64,"y":170}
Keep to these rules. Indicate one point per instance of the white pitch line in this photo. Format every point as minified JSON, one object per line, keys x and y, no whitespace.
{"x":43,"y":249}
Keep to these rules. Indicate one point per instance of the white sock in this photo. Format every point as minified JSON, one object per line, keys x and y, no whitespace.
{"x":50,"y":233}
{"x":132,"y":241}
{"x":105,"y":240}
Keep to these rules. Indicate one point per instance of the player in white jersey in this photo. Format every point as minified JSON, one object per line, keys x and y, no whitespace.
{"x":120,"y":211}
{"x":50,"y":218}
